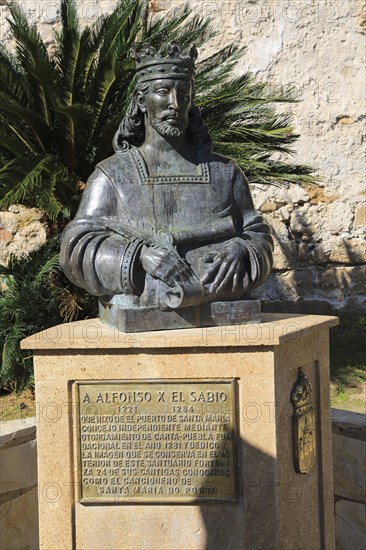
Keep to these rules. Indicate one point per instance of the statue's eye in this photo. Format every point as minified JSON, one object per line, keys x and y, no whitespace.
{"x":162,"y":91}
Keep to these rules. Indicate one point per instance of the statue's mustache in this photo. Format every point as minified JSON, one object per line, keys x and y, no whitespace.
{"x":172,"y":115}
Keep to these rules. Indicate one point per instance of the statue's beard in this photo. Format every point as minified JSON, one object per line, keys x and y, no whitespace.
{"x":167,"y":130}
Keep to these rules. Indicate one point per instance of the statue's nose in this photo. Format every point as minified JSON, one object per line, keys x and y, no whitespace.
{"x":173,"y":100}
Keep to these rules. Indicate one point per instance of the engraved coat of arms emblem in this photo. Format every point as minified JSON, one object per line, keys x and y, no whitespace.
{"x":303,"y":425}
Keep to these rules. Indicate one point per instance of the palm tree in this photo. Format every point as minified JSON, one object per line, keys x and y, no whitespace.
{"x":59,"y":113}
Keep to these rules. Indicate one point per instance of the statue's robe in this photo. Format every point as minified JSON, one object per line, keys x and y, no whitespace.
{"x":100,"y":257}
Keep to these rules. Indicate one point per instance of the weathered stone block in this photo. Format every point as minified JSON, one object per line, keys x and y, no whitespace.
{"x":286,"y":195}
{"x":19,"y":523}
{"x":18,"y":467}
{"x":11,"y":432}
{"x":339,"y":217}
{"x":339,"y":250}
{"x":284,"y":213}
{"x":349,"y":467}
{"x":350,"y":525}
{"x":285,"y":250}
{"x":288,"y":285}
{"x":348,"y":251}
{"x":18,"y":485}
{"x":342,"y":279}
{"x":268,"y":206}
{"x":308,"y":220}
{"x":349,"y":424}
{"x":22,"y":231}
{"x":360,"y":216}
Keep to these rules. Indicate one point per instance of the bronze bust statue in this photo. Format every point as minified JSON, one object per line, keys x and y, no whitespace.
{"x":166,"y":230}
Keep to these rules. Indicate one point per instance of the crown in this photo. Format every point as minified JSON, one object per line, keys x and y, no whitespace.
{"x":169,"y":63}
{"x":301,"y":393}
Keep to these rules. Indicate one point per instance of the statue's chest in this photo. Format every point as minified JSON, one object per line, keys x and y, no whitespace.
{"x":172,"y":201}
{"x":173,"y":205}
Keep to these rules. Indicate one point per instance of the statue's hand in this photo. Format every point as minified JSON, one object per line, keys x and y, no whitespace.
{"x":164,"y":264}
{"x":227,"y":271}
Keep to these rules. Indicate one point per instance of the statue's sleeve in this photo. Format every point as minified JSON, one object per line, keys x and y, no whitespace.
{"x":253,"y":232}
{"x":93,"y":256}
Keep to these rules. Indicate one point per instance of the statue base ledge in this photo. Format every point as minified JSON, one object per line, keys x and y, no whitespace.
{"x":213,"y":314}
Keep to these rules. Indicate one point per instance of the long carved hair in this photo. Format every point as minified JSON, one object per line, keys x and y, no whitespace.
{"x":131,"y":131}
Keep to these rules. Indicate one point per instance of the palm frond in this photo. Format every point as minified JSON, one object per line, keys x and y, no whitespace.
{"x":178,"y":26}
{"x":51,"y":265}
{"x":69,"y":307}
{"x":12,"y":80}
{"x":26,"y":187}
{"x":15,"y":139}
{"x":71,"y":130}
{"x":68,"y":50}
{"x":110,"y":78}
{"x":33,"y":59}
{"x":121,"y":30}
{"x":10,"y":351}
{"x":26,"y":116}
{"x":47,"y":199}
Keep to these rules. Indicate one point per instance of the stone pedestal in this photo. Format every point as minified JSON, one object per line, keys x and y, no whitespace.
{"x":273,"y":507}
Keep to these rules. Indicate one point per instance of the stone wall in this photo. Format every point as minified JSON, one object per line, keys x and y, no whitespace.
{"x":18,"y":485}
{"x":316,"y":46}
{"x":349,"y":467}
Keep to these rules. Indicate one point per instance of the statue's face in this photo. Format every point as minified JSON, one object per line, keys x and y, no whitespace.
{"x":166,"y":106}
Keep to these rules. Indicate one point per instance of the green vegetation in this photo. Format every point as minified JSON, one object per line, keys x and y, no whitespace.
{"x":348,"y":364}
{"x":17,"y":405}
{"x":58,"y":115}
{"x":35,"y":296}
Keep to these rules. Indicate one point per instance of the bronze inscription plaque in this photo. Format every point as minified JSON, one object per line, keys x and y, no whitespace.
{"x":156,"y":441}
